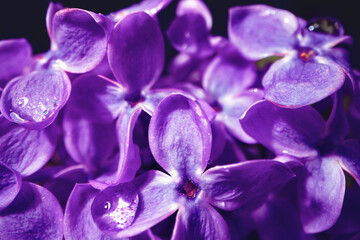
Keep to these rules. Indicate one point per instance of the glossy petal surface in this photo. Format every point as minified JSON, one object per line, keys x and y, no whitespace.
{"x":284,"y":131}
{"x":231,"y":186}
{"x":10,"y":183}
{"x":79,"y":42}
{"x":35,"y":99}
{"x":180,"y":136}
{"x":260,"y":31}
{"x":293,"y":82}
{"x":321,"y":194}
{"x":199,"y":221}
{"x":25,"y":150}
{"x":34,"y":214}
{"x":136,"y":63}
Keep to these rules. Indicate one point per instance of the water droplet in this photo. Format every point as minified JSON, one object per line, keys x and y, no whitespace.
{"x":16,"y":118}
{"x":114,"y":208}
{"x":22,"y":101}
{"x":326,"y":26}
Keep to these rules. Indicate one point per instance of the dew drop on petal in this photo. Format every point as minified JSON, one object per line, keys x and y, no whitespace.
{"x":114,"y":208}
{"x":22,"y":101}
{"x":325,"y":25}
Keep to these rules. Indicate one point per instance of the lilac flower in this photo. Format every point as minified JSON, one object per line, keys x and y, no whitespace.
{"x":180,"y":140}
{"x":299,"y":133}
{"x":310,"y":70}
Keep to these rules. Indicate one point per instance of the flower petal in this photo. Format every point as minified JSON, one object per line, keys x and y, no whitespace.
{"x":136,"y":63}
{"x":79,"y":42}
{"x":321,"y":194}
{"x":337,"y":125}
{"x":349,"y":158}
{"x":293,"y":82}
{"x":284,"y":131}
{"x":180,"y":136}
{"x":195,"y":7}
{"x":51,"y":10}
{"x":200,"y":221}
{"x":34,"y":100}
{"x":157,"y":201}
{"x":34,"y":214}
{"x":15,"y":54}
{"x":261,"y":31}
{"x":10,"y":184}
{"x":25,"y":150}
{"x":231,"y":186}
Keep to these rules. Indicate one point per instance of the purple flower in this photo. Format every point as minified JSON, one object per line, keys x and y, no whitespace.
{"x":310,"y":70}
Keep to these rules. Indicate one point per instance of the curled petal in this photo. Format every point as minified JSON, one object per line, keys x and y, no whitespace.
{"x":51,"y":10}
{"x":10,"y":183}
{"x":34,"y":100}
{"x":200,"y":221}
{"x":293,"y":82}
{"x":261,"y":31}
{"x":79,"y":42}
{"x":25,"y":150}
{"x":34,"y":214}
{"x":349,"y":158}
{"x":15,"y":54}
{"x":337,"y":126}
{"x":195,"y":7}
{"x":231,"y":186}
{"x":321,"y":194}
{"x":284,"y":131}
{"x":136,"y":63}
{"x":180,"y":136}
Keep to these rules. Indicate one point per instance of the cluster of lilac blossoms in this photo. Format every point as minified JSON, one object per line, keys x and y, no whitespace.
{"x":250,"y":136}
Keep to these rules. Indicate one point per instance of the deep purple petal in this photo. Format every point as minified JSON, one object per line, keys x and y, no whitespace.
{"x":260,"y":31}
{"x":34,"y":100}
{"x":321,"y":194}
{"x":231,"y":186}
{"x":349,"y":158}
{"x":136,"y":63}
{"x":10,"y":184}
{"x":180,"y":136}
{"x":200,"y":221}
{"x":294,"y":82}
{"x":25,"y":150}
{"x":157,"y":201}
{"x":337,"y":125}
{"x":15,"y":54}
{"x":97,"y":98}
{"x":34,"y":214}
{"x":284,"y":131}
{"x":51,"y":10}
{"x":225,"y":78}
{"x":233,"y":110}
{"x":79,"y":42}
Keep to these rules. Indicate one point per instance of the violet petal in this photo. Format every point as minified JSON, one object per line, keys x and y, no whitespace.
{"x":260,"y":31}
{"x":293,"y":82}
{"x":230,"y":186}
{"x":10,"y":184}
{"x":79,"y":42}
{"x":34,"y":100}
{"x":284,"y":131}
{"x":34,"y":214}
{"x":180,"y":136}
{"x":195,"y":7}
{"x":349,"y":158}
{"x":200,"y":221}
{"x":321,"y":194}
{"x":136,"y":63}
{"x":337,"y":125}
{"x":51,"y":10}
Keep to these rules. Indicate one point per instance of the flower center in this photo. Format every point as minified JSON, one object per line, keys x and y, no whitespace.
{"x":189,"y":189}
{"x":216,"y":106}
{"x":307,"y":54}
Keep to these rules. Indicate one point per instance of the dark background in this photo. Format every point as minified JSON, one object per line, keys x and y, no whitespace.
{"x":26,"y":19}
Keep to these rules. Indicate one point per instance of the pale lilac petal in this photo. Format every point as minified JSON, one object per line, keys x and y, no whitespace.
{"x":195,"y":7}
{"x":78,"y":221}
{"x":34,"y":214}
{"x":284,"y":131}
{"x":34,"y":100}
{"x":51,"y":10}
{"x":97,"y":98}
{"x":199,"y":221}
{"x":79,"y":42}
{"x":136,"y":63}
{"x":25,"y":150}
{"x":261,"y":31}
{"x":15,"y":54}
{"x":294,"y":82}
{"x":226,"y":77}
{"x":235,"y":108}
{"x":230,"y":186}
{"x":321,"y":193}
{"x":10,"y":184}
{"x":157,"y":201}
{"x":180,"y":136}
{"x":349,"y":158}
